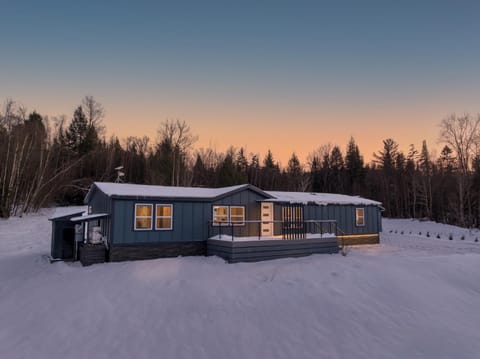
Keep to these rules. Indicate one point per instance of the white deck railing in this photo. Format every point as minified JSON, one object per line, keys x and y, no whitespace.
{"x":243,"y":231}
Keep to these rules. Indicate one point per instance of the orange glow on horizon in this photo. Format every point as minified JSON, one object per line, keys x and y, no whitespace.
{"x":284,"y":136}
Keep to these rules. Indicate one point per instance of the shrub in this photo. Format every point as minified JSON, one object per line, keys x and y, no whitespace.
{"x":438,"y":236}
{"x":428,"y":234}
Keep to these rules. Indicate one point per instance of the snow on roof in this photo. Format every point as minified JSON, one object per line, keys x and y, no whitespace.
{"x":137,"y":190}
{"x":149,"y":191}
{"x":88,"y":217}
{"x":67,"y":211}
{"x":320,"y":198}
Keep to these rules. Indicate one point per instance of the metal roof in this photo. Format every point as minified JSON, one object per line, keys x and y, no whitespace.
{"x":89,"y":217}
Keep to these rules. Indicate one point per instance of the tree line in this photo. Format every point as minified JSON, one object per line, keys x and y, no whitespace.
{"x":54,"y":160}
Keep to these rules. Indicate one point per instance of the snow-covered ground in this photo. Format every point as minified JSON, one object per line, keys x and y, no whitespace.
{"x":412,"y":296}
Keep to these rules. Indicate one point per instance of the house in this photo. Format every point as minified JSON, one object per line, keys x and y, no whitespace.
{"x":238,"y":223}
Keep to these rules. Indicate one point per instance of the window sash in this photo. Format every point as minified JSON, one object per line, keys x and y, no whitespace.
{"x":237,"y":219}
{"x":143,"y":221}
{"x":360,"y":217}
{"x":220,"y":215}
{"x":164,"y":221}
{"x":228,"y":215}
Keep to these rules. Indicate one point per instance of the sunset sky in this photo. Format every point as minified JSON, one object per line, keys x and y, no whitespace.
{"x":284,"y":75}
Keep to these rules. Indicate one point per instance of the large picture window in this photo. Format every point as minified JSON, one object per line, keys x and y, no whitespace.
{"x":227,"y":215}
{"x":163,"y":217}
{"x":143,"y":217}
{"x":360,"y":217}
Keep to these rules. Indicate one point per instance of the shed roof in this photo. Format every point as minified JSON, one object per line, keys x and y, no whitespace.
{"x":61,"y":212}
{"x":320,"y":198}
{"x":89,"y":217}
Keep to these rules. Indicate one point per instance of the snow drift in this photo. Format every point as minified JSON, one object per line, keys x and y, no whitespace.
{"x":409,"y":297}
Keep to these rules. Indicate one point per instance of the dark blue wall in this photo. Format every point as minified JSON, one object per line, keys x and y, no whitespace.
{"x":101,"y":203}
{"x":190,"y":219}
{"x":345,"y":217}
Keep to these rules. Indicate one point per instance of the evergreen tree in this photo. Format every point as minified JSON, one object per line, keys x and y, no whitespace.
{"x":227,"y":173}
{"x":241,"y":164}
{"x":354,"y":167}
{"x":294,"y":174}
{"x":270,"y":173}
{"x":315,"y":175}
{"x":337,"y":168}
{"x":80,"y":137}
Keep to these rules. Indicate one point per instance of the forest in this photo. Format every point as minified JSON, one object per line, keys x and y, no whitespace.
{"x":46,"y":161}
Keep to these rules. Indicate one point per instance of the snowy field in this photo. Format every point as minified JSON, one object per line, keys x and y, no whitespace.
{"x":412,"y":296}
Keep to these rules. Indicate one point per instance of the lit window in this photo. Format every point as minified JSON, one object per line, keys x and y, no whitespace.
{"x":360,"y":217}
{"x":220,"y":215}
{"x":237,"y":215}
{"x":143,"y":217}
{"x":163,"y":216}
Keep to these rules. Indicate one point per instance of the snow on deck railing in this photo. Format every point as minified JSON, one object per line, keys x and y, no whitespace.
{"x":242,"y":230}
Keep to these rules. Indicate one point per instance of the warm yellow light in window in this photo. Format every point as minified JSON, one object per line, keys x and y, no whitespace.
{"x":143,"y":210}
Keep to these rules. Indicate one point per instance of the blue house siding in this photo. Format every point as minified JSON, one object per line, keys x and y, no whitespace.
{"x":345,"y":217}
{"x":251,"y":201}
{"x":190,"y":219}
{"x":192,"y":216}
{"x":101,"y":203}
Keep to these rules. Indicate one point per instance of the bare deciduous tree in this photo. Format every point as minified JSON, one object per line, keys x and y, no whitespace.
{"x":177,"y":136}
{"x":462,"y":134}
{"x":95,"y":113}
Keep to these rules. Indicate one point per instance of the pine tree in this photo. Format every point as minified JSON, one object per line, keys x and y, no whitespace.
{"x":227,"y":173}
{"x":337,"y":168}
{"x":354,"y":168}
{"x":270,"y":173}
{"x":80,"y":137}
{"x":294,"y":174}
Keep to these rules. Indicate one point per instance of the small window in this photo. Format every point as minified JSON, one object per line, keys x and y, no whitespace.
{"x":220,"y":215}
{"x":163,"y":217}
{"x":143,"y":217}
{"x":360,"y":217}
{"x":237,"y":215}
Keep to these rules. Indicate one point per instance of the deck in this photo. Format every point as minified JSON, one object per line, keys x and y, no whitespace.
{"x":253,"y":250}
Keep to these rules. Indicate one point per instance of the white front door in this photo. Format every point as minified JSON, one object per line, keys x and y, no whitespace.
{"x":267,"y":216}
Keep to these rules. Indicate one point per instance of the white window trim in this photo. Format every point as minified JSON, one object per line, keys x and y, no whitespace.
{"x":157,"y":217}
{"x":358,"y":216}
{"x":142,"y":217}
{"x":242,"y":223}
{"x":213,"y":216}
{"x":229,"y":216}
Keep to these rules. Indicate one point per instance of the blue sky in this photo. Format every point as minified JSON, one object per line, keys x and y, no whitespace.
{"x":371,"y":69}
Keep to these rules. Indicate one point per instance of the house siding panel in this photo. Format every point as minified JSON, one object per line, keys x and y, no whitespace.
{"x":250,"y":200}
{"x":190,"y":219}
